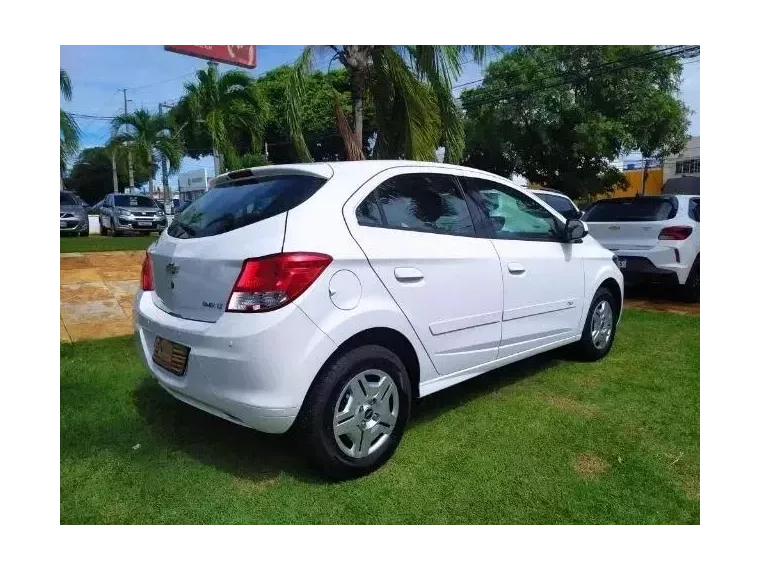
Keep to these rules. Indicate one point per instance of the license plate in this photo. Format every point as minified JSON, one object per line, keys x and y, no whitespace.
{"x":145,"y":224}
{"x":170,"y":355}
{"x":621,"y":263}
{"x":63,"y":224}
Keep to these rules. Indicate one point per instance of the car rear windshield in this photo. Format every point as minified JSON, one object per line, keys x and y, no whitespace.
{"x":636,"y":210}
{"x":68,"y":199}
{"x":563,"y":205}
{"x":124,"y":201}
{"x":237,"y":204}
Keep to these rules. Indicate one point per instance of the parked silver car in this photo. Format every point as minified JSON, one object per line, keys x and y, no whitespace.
{"x":121,"y":213}
{"x":73,"y":216}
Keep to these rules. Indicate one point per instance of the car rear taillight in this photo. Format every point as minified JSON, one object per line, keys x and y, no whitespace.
{"x":675,"y":233}
{"x":146,"y":277}
{"x":268,"y":283}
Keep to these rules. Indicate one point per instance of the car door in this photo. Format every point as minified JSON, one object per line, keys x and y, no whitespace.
{"x":417,"y":231}
{"x":543,"y":276}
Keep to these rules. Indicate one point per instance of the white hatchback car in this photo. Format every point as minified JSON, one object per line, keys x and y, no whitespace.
{"x":655,"y":238}
{"x":327,"y":296}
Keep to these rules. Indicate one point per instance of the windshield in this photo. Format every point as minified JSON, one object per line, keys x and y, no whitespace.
{"x":68,"y":200}
{"x":237,"y":204}
{"x":563,"y":205}
{"x":631,"y":210}
{"x":125,"y":201}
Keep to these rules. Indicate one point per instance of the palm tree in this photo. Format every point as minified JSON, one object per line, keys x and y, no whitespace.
{"x":69,"y":129}
{"x":223,"y":105}
{"x":150,"y":135}
{"x":410,"y":88}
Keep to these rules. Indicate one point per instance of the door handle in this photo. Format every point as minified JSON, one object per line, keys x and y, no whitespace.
{"x":515,"y":268}
{"x":408,"y":274}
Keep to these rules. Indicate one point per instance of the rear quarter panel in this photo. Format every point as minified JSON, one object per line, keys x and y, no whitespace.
{"x":318,"y":225}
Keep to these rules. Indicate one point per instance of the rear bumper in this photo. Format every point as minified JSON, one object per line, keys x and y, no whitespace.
{"x":641,"y":269}
{"x":252,"y":370}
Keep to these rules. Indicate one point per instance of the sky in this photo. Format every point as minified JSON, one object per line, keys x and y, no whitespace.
{"x":152,"y":75}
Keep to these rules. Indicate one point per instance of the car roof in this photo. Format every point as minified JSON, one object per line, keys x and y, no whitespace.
{"x":355,"y":169}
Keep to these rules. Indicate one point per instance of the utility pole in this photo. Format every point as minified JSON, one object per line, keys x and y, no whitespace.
{"x":168,"y":203}
{"x":113,"y":169}
{"x":129,"y":153}
{"x":213,"y":67}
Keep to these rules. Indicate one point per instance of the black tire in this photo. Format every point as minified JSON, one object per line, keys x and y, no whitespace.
{"x":85,"y":233}
{"x":103,"y":229}
{"x":314,"y":426}
{"x":690,"y":290}
{"x":585,"y":349}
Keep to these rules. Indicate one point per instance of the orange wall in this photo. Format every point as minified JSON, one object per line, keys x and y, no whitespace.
{"x":635,"y":177}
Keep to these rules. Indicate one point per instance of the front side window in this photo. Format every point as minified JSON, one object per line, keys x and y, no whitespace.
{"x":512,"y":214}
{"x":419,"y":202}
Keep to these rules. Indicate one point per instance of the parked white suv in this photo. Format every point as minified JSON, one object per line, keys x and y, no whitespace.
{"x":327,"y":296}
{"x":655,"y":238}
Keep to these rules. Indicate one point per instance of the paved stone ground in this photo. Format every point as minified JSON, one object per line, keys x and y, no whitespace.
{"x":97,"y":290}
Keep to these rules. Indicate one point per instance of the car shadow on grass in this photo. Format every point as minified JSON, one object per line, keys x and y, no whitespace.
{"x":259,"y":458}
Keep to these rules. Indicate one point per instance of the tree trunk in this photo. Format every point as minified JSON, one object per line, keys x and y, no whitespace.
{"x":357,"y":101}
{"x":217,"y":161}
{"x":356,"y":61}
{"x":150,"y":173}
{"x":131,"y":172}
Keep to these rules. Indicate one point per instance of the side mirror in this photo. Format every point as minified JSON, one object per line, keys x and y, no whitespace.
{"x":574,"y":215}
{"x":575,"y":230}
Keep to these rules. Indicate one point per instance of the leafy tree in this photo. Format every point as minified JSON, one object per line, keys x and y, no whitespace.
{"x":321,"y":92}
{"x":410,"y":88}
{"x":70,"y":132}
{"x":92,"y":178}
{"x":559,"y":115}
{"x":217,"y":109}
{"x":149,"y":136}
{"x":247,"y":160}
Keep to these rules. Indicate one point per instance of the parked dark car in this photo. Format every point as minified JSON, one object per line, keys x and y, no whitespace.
{"x":121,"y":213}
{"x":73,"y":216}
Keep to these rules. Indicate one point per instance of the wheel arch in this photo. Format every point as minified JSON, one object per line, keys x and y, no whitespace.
{"x":386,"y":337}
{"x":614,"y":288}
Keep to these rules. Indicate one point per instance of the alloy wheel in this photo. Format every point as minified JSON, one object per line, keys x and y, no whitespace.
{"x":601,"y":324}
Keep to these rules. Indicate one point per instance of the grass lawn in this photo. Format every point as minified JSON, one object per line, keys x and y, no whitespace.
{"x":70,"y":244}
{"x":543,"y":441}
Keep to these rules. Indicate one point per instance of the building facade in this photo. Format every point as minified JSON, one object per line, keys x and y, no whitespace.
{"x":681,"y":171}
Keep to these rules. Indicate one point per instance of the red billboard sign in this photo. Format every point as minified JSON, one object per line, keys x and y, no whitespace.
{"x":243,"y":56}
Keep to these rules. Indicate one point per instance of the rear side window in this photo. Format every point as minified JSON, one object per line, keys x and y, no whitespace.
{"x":694,"y":209}
{"x":237,"y":204}
{"x":563,"y":205}
{"x":635,"y":210}
{"x":419,"y":202}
